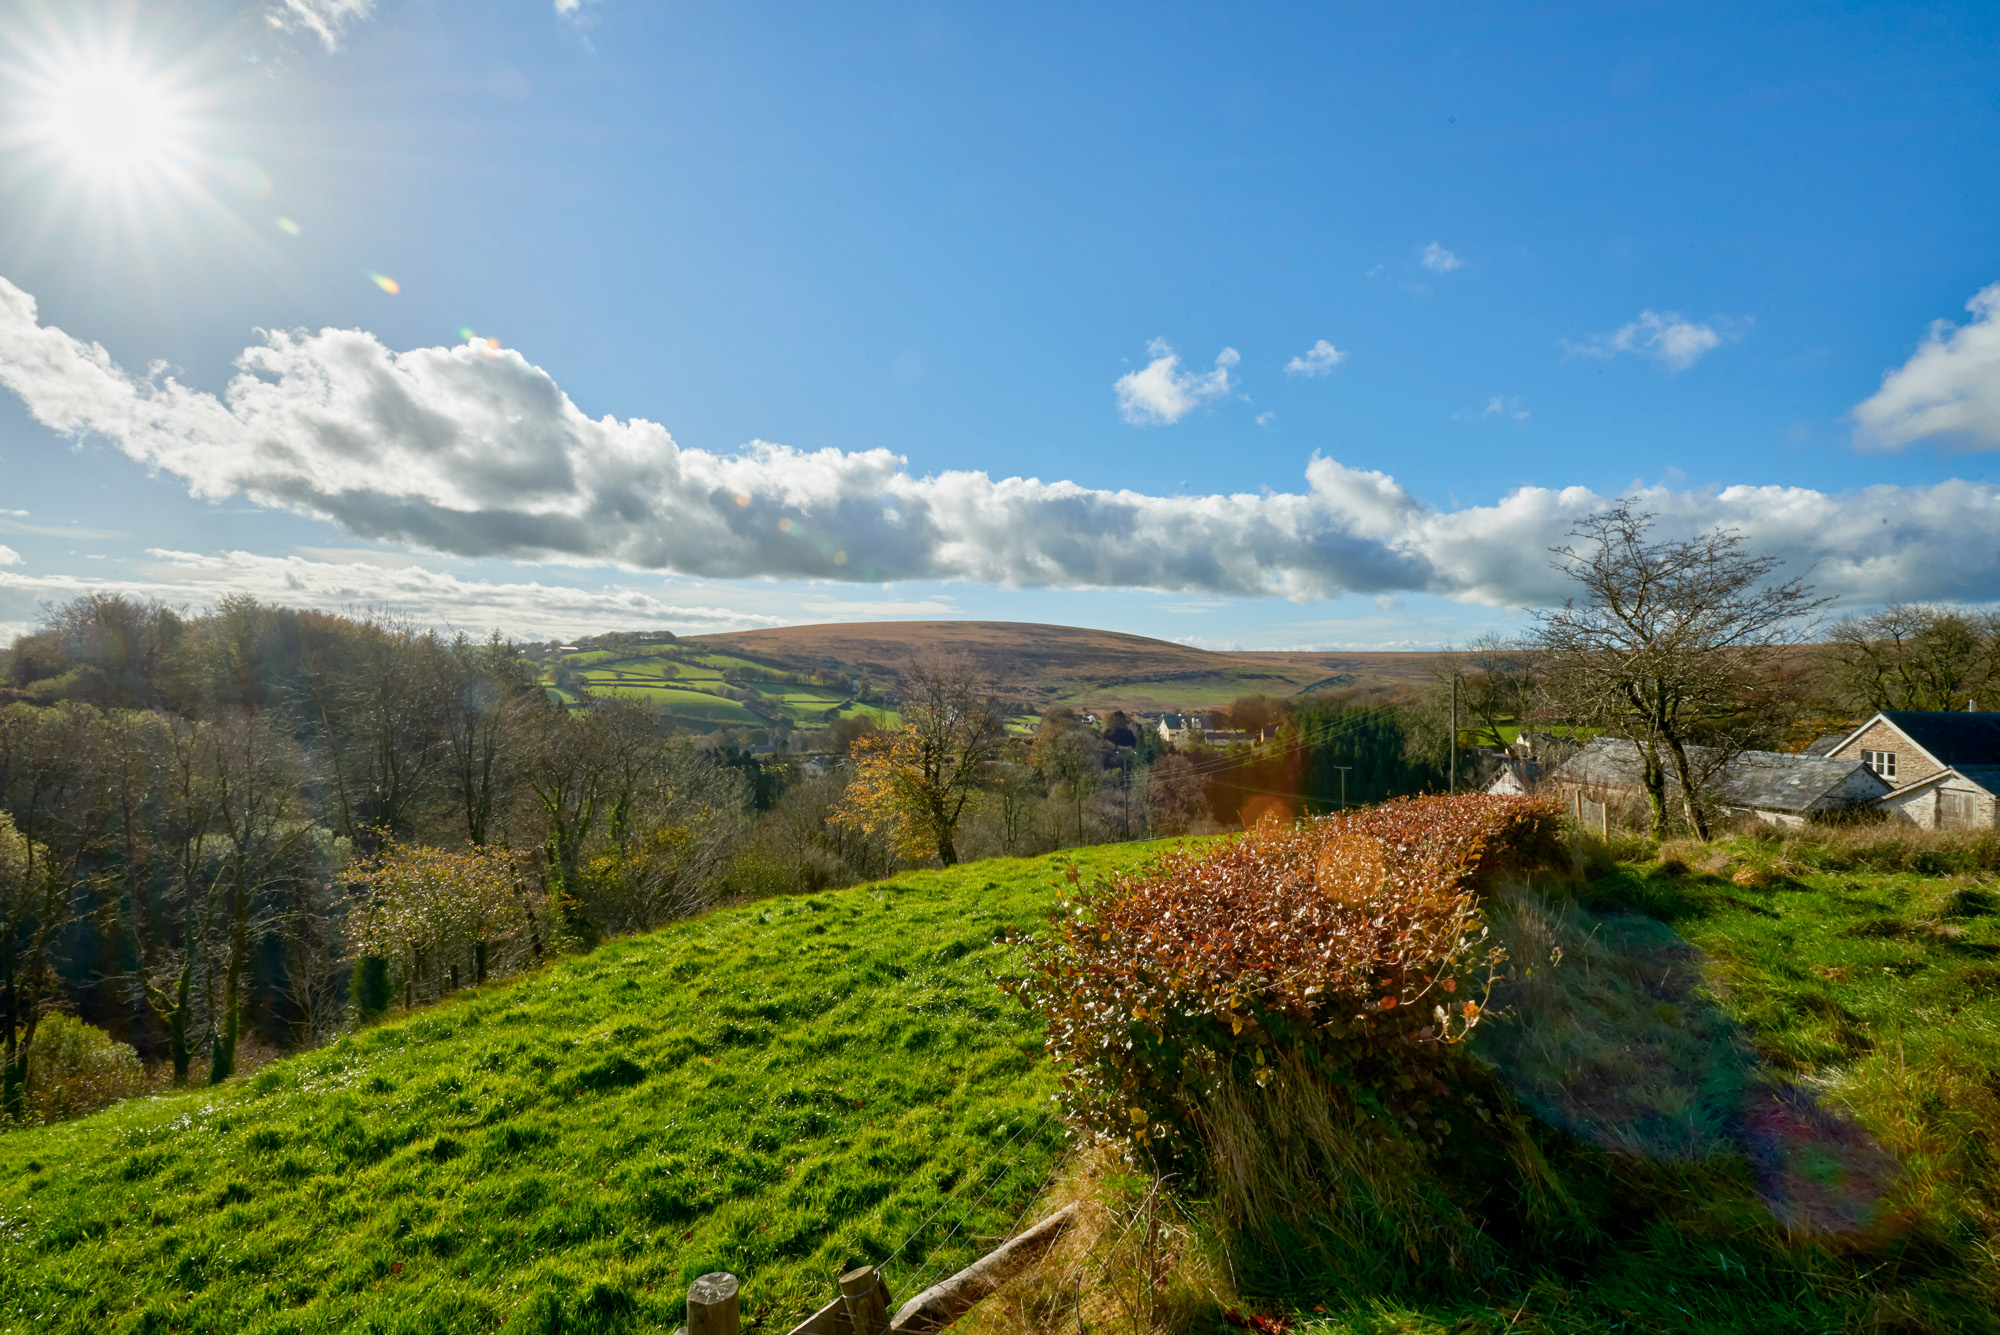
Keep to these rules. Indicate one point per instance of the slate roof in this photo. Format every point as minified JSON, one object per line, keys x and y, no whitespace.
{"x":1761,"y":780}
{"x":1986,"y":776}
{"x":1824,"y":746}
{"x":1956,"y":738}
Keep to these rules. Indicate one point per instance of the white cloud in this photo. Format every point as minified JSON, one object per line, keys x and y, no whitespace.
{"x":8,"y":556}
{"x":1265,"y":419}
{"x":1163,"y":394}
{"x":1950,"y":388}
{"x":1506,"y":406}
{"x":455,"y":451}
{"x":531,"y":610}
{"x":1319,"y":359}
{"x":327,"y":20}
{"x":1675,"y":342}
{"x":1439,"y":260}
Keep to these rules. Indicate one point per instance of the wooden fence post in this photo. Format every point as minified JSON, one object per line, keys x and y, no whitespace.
{"x":713,"y":1305}
{"x":867,"y":1300}
{"x":946,"y":1301}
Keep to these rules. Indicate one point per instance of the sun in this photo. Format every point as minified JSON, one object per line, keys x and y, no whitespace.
{"x":112,"y":120}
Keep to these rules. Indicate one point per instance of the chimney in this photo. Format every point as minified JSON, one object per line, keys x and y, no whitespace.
{"x":1972,"y":706}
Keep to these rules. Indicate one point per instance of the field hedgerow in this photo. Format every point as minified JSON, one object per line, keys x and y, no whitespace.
{"x":1352,"y":939}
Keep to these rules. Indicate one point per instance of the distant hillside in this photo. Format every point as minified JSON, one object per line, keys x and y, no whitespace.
{"x":1069,"y":665}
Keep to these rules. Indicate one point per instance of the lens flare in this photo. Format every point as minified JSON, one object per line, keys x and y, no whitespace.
{"x":113,"y":119}
{"x":389,"y":285}
{"x":288,"y":227}
{"x":245,"y":176}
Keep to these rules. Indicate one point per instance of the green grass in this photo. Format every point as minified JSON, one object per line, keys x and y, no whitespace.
{"x":690,"y":688}
{"x":1784,"y":1096}
{"x":792,"y":1086}
{"x":781,"y":1090}
{"x":681,"y":703}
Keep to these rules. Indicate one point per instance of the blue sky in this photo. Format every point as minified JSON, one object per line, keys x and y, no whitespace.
{"x":1488,"y":265}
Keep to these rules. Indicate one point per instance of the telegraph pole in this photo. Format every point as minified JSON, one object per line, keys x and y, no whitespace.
{"x":1343,"y":783}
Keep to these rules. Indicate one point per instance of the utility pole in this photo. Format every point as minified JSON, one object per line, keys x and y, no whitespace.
{"x":1454,"y":730}
{"x":1343,"y":783}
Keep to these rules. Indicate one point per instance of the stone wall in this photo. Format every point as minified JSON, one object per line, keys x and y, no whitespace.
{"x":1912,"y":766}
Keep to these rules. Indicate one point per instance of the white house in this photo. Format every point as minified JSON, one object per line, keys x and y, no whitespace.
{"x":1181,"y":729}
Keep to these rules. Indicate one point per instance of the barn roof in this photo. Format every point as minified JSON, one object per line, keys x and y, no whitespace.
{"x":1761,"y":780}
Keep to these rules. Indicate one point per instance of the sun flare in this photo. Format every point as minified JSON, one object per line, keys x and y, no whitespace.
{"x":113,"y":120}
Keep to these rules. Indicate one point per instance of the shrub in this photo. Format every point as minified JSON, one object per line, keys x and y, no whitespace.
{"x":443,"y":918}
{"x":1351,"y":944}
{"x":76,"y":1068}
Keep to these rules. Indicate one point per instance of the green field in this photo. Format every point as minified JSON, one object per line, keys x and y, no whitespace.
{"x":781,"y":1090}
{"x":788,"y":1087}
{"x":683,"y":704}
{"x":690,"y":689}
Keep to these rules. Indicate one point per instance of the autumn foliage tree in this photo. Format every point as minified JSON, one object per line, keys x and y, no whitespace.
{"x":914,"y":783}
{"x":445,"y":918}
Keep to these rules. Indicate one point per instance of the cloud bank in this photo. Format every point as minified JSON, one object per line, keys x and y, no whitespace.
{"x":1674,"y":342}
{"x":1163,"y":394}
{"x":532,"y":609}
{"x":479,"y":453}
{"x":1950,"y":388}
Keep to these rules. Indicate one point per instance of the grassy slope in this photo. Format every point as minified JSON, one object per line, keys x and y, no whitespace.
{"x":808,"y":1078}
{"x":780,"y":1089}
{"x":1876,"y":991}
{"x":689,"y":687}
{"x":1070,"y":665}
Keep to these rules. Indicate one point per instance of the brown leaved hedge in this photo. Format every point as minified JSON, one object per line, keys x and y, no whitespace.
{"x":1349,"y":946}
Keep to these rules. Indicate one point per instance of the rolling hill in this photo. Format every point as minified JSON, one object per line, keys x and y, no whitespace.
{"x":1068,"y":665}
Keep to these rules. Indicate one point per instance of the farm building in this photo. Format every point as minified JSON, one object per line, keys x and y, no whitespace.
{"x":1943,"y":769}
{"x":1777,"y":788}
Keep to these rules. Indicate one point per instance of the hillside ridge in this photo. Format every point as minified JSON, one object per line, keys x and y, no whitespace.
{"x":1053,"y":664}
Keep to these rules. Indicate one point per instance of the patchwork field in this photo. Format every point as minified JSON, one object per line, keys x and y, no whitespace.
{"x":1068,"y":665}
{"x":703,"y":690}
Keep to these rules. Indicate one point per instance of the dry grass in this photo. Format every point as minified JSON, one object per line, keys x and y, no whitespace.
{"x":1137,"y":1259}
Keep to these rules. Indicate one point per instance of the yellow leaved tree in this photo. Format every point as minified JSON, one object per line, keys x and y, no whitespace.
{"x":913,"y":783}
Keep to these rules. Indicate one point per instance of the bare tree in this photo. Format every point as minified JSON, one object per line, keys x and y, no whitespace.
{"x":1068,"y":758}
{"x":916,"y":780}
{"x":1912,"y":656}
{"x":1662,"y":645}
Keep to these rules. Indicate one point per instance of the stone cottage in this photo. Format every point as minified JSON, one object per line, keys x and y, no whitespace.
{"x":1777,"y":788}
{"x":1942,"y":769}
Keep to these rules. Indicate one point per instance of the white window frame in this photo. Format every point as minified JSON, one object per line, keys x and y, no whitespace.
{"x":1881,"y":763}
